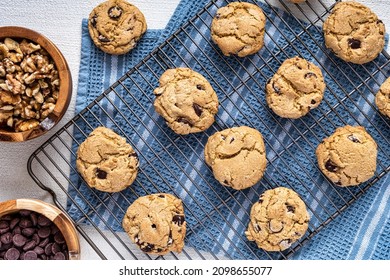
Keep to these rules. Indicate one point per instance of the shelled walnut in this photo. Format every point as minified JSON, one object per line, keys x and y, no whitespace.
{"x":29,"y":84}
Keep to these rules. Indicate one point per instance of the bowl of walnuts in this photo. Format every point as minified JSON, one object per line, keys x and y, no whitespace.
{"x":35,"y":84}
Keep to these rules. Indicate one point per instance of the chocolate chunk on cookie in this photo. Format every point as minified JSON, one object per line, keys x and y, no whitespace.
{"x":382,"y":98}
{"x":296,"y":88}
{"x":277,"y":220}
{"x":237,"y":156}
{"x":156,"y":223}
{"x":106,"y":161}
{"x":348,"y":157}
{"x":116,"y":26}
{"x":354,"y":32}
{"x":186,"y":100}
{"x":238,"y":29}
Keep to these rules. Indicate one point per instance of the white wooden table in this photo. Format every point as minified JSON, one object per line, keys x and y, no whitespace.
{"x":60,"y":21}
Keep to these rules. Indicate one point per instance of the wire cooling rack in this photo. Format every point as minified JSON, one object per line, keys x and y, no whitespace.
{"x":217,"y":216}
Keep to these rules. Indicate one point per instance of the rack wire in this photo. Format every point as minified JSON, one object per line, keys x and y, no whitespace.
{"x":172,"y":163}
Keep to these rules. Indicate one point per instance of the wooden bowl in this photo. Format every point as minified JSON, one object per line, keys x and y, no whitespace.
{"x":59,"y":218}
{"x":65,"y":88}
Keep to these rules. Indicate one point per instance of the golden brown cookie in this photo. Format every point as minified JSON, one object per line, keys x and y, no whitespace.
{"x":277,"y":220}
{"x":116,"y":26}
{"x":348,"y":157}
{"x":186,"y":100}
{"x":237,"y":156}
{"x":382,"y":98}
{"x":238,"y":29}
{"x":156,"y":223}
{"x":296,"y":88}
{"x":354,"y":32}
{"x":106,"y":162}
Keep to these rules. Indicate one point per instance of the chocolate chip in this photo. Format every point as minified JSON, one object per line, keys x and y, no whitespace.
{"x":379,"y":21}
{"x":101,"y":174}
{"x":44,"y":242}
{"x":353,"y":138}
{"x":309,"y":75}
{"x":225,"y":182}
{"x":48,"y":250}
{"x":43,"y":257}
{"x":44,"y":232}
{"x":93,"y":20}
{"x":184,"y":121}
{"x":257,"y":228}
{"x":19,"y":240}
{"x":276,"y":88}
{"x":39,"y":250}
{"x":103,"y":39}
{"x":29,"y":245}
{"x":159,"y":250}
{"x":14,"y":222}
{"x":6,"y":238}
{"x":313,"y":101}
{"x":354,"y":43}
{"x":25,"y":223}
{"x":198,"y":110}
{"x":43,"y":221}
{"x":178,"y":219}
{"x":59,"y":238}
{"x":30,"y":255}
{"x":17,"y":230}
{"x":338,"y":183}
{"x":59,"y":256}
{"x":217,"y":16}
{"x":115,"y":12}
{"x":55,"y":248}
{"x":34,"y":219}
{"x":200,"y":87}
{"x":54,"y":229}
{"x":4,"y":230}
{"x":153,"y":226}
{"x":330,"y":166}
{"x":28,"y":231}
{"x":6,"y":218}
{"x":134,"y":155}
{"x":147,"y":248}
{"x":290,"y":208}
{"x":12,"y":254}
{"x":36,"y":238}
{"x":161,"y":196}
{"x":24,"y":213}
{"x":232,"y":140}
{"x":260,"y":200}
{"x":4,"y":224}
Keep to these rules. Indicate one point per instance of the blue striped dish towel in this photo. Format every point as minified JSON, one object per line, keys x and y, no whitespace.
{"x":361,"y":231}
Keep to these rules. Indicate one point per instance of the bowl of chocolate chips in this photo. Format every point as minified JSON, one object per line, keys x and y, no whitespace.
{"x":35,"y":230}
{"x":35,"y":84}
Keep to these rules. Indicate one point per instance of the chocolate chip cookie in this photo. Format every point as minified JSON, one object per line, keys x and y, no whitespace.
{"x":186,"y":100}
{"x":354,"y":32}
{"x":237,"y":156}
{"x":382,"y":98}
{"x":106,"y":162}
{"x":348,"y":157}
{"x":277,"y":220}
{"x":116,"y":26}
{"x":156,"y":223}
{"x":238,"y":29}
{"x":296,"y":88}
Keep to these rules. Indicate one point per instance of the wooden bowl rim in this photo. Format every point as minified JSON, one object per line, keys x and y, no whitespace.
{"x":65,"y":90}
{"x":53,"y":213}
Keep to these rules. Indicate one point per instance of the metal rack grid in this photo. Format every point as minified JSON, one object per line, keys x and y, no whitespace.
{"x":173,"y":163}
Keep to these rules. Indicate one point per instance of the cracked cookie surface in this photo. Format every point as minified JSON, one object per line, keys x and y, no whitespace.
{"x":382,"y":98}
{"x":238,"y":29}
{"x":186,"y":100}
{"x":106,"y":162}
{"x":237,"y":156}
{"x":348,"y":157}
{"x":354,"y":32}
{"x":116,"y":26}
{"x":156,"y":223}
{"x":277,"y":220}
{"x":296,"y":88}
